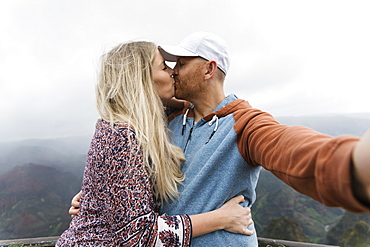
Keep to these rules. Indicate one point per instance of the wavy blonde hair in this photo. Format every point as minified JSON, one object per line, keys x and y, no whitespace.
{"x":126,"y":93}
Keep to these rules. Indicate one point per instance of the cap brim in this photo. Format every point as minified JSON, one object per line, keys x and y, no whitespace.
{"x":170,"y":53}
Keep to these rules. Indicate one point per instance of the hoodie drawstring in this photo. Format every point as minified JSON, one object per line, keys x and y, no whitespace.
{"x":214,"y":119}
{"x":184,"y":121}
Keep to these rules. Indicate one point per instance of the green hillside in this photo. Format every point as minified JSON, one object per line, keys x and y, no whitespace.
{"x":34,"y":201}
{"x":276,"y":200}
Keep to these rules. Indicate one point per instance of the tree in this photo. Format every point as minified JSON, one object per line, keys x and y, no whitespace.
{"x":285,"y":228}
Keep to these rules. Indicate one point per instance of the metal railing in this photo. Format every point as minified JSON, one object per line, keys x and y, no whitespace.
{"x":50,"y":241}
{"x":44,"y":241}
{"x":267,"y":242}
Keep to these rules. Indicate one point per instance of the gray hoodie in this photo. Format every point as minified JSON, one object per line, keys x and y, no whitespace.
{"x":224,"y":153}
{"x":215,"y":171}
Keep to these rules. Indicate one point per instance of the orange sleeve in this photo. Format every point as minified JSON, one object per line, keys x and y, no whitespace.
{"x":314,"y":164}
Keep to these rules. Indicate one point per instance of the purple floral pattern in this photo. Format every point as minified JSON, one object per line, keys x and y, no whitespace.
{"x":117,"y":204}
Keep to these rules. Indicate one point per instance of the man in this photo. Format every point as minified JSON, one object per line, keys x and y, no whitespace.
{"x":226,"y":141}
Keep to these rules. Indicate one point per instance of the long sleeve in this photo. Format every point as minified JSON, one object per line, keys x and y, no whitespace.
{"x":314,"y":164}
{"x":117,"y":204}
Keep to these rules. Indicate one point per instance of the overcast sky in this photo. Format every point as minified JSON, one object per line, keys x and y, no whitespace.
{"x":287,"y":57}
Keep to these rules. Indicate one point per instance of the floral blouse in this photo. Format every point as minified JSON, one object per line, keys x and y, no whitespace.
{"x":117,"y":204}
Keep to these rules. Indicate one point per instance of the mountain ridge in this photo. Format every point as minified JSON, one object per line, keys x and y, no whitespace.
{"x":39,"y":177}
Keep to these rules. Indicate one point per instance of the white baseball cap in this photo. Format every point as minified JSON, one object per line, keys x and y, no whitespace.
{"x":199,"y":44}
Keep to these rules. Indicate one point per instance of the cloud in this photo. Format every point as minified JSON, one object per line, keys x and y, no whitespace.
{"x":288,"y":57}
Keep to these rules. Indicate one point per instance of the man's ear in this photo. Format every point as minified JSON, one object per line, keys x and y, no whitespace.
{"x":211,"y":67}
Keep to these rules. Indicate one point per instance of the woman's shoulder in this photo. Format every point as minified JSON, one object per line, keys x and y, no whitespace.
{"x":106,"y":130}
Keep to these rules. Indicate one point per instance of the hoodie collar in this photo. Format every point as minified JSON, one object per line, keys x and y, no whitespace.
{"x":225,"y":107}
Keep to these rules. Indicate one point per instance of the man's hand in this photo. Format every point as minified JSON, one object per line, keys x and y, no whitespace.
{"x":361,"y":169}
{"x":75,"y":205}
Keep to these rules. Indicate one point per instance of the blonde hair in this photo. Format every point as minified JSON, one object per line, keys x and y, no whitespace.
{"x":125,"y":92}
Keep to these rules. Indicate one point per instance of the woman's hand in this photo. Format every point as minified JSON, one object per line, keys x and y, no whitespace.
{"x":75,"y":205}
{"x":237,"y":218}
{"x":231,"y":217}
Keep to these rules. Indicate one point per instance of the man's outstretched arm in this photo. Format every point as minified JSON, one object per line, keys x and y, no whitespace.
{"x":332,"y":170}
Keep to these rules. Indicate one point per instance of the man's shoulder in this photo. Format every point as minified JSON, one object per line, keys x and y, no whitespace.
{"x":232,"y":107}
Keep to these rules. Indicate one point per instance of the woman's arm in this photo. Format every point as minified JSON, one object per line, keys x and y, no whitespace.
{"x":230,"y":217}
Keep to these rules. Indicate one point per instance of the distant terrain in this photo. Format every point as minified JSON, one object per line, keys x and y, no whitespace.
{"x":34,"y":201}
{"x":39,"y":177}
{"x":37,"y":181}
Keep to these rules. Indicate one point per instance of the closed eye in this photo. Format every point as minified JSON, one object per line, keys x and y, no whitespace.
{"x":165,"y":67}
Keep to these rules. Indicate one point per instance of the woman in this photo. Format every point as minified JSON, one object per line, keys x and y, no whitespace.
{"x":132,"y":167}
